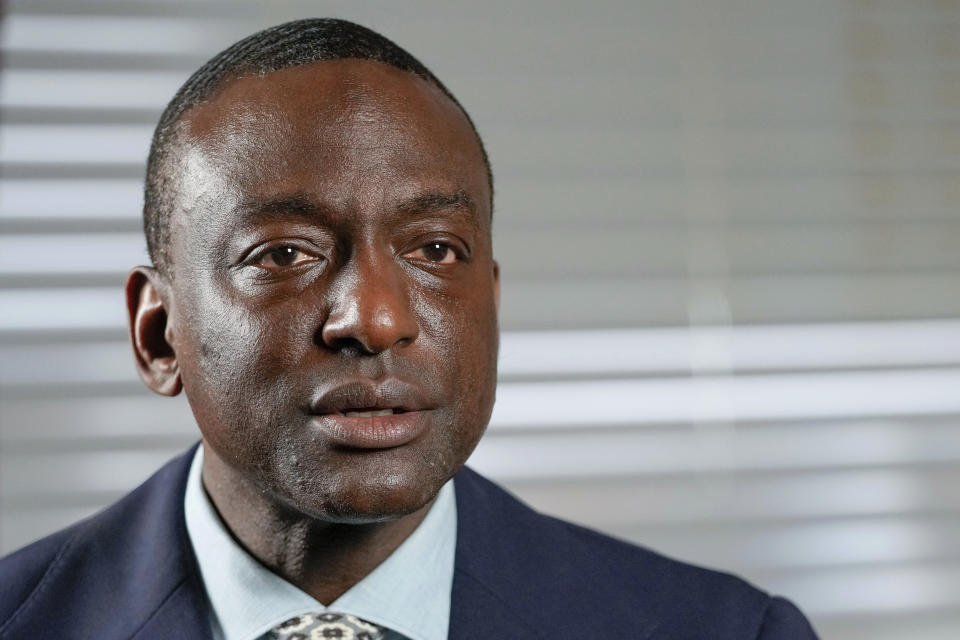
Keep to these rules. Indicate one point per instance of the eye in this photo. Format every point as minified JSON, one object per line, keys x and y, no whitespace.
{"x":435,"y":252}
{"x":283,"y":256}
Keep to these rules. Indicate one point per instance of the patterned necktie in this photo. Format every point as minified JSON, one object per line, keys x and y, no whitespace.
{"x":326,"y":625}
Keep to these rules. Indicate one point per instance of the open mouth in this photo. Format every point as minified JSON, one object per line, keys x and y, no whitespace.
{"x":371,"y":427}
{"x":369,"y":413}
{"x":364,"y":413}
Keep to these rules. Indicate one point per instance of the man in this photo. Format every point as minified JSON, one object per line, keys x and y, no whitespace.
{"x":318,"y":210}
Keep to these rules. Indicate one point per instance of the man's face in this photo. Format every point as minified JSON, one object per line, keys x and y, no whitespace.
{"x":333,"y":299}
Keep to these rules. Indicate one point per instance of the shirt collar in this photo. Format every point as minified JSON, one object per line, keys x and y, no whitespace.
{"x":409,"y":592}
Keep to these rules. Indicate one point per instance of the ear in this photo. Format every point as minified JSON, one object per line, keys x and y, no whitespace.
{"x":151,"y":334}
{"x":496,"y":285}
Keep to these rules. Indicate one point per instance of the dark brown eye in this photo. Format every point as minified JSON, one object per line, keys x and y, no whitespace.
{"x":436,"y":252}
{"x":284,"y":256}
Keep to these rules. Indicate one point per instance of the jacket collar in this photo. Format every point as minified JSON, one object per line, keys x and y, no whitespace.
{"x":520,"y":574}
{"x":137,"y":555}
{"x":162,"y":536}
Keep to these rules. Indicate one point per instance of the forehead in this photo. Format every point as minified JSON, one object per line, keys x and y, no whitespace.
{"x":349,"y":128}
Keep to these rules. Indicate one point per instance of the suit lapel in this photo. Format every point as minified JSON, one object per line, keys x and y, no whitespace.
{"x":519,"y":574}
{"x":477,"y":612}
{"x":183,"y":612}
{"x":182,"y":615}
{"x":481,"y":604}
{"x":162,"y":560}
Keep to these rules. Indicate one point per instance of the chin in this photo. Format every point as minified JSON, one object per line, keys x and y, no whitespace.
{"x":366,"y":493}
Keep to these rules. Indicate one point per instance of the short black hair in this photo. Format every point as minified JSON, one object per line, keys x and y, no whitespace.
{"x":286,"y":45}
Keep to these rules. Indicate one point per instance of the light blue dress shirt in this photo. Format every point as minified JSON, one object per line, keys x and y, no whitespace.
{"x":409,"y":593}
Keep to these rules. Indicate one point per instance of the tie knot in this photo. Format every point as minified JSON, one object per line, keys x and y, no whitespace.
{"x":320,"y":626}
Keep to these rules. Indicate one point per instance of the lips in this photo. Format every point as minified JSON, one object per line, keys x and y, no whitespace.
{"x":373,"y":413}
{"x":370,"y":414}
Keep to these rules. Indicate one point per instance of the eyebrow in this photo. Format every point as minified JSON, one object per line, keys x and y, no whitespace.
{"x":433,"y":202}
{"x":279,"y":208}
{"x":302,"y":206}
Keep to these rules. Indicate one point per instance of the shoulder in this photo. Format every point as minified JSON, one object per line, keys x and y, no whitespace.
{"x":570,"y":567}
{"x":687,"y":600}
{"x":22,"y":572}
{"x":131,"y":554}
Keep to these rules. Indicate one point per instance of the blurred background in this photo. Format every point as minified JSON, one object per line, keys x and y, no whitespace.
{"x":728,"y":233}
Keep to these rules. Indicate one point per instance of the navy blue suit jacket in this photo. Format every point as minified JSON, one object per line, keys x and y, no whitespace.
{"x":129,"y":572}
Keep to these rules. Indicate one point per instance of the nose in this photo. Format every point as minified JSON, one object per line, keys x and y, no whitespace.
{"x":370,"y":308}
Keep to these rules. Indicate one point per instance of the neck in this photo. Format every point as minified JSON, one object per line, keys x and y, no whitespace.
{"x":323,"y":559}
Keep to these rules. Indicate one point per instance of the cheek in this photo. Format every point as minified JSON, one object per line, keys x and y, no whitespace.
{"x":237,"y":335}
{"x":233,"y":359}
{"x":463,"y":335}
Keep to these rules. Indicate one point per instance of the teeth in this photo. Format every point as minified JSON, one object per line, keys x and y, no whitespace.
{"x":369,"y":414}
